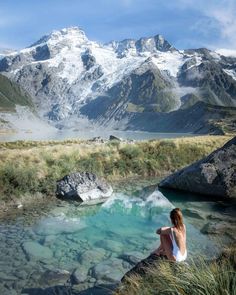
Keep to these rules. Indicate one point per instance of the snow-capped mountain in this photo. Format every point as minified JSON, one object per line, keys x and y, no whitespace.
{"x":70,"y":76}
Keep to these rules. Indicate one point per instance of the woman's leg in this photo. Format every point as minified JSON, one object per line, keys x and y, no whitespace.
{"x":159,"y":250}
{"x":167,"y":246}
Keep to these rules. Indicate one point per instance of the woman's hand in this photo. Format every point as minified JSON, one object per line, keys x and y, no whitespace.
{"x":158,"y":231}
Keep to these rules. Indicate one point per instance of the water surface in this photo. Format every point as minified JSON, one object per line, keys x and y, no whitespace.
{"x":88,"y":134}
{"x":97,"y":240}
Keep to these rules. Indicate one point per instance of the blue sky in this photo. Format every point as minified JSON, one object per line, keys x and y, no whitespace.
{"x":184,"y":23}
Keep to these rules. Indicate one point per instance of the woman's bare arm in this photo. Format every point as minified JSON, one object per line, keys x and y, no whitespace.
{"x":164,"y":230}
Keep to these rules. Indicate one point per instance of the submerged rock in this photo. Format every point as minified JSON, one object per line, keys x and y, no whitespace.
{"x":132,"y":257}
{"x":110,"y":245}
{"x":78,"y":276}
{"x":214,"y":175}
{"x":110,"y":270}
{"x":34,"y":249}
{"x":84,"y":186}
{"x":56,"y":276}
{"x":193,"y":213}
{"x":219,"y":228}
{"x":91,"y":257}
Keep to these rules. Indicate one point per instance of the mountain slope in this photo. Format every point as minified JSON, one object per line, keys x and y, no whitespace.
{"x":70,"y":77}
{"x":11,"y":94}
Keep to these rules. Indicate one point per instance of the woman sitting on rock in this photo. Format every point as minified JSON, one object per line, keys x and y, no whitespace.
{"x":173,"y":239}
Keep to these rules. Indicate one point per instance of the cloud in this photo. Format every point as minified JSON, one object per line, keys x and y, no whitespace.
{"x":226,"y":18}
{"x":217,"y":15}
{"x":227,"y":52}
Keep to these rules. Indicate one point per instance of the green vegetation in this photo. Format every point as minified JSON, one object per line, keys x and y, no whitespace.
{"x":200,"y":277}
{"x":133,"y":108}
{"x":11,"y":94}
{"x":225,"y":118}
{"x":28,"y":167}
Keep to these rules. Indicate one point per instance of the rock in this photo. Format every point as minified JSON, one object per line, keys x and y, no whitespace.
{"x":36,"y":250}
{"x":193,"y":213}
{"x":110,"y":245}
{"x":82,"y":187}
{"x":218,"y":228}
{"x":18,"y":205}
{"x":97,"y":139}
{"x":21,"y":274}
{"x":112,"y":137}
{"x":132,"y":257}
{"x":49,"y":239}
{"x":78,"y":276}
{"x":50,"y":226}
{"x":55,"y":277}
{"x":214,"y":175}
{"x":142,"y":267}
{"x":110,"y":270}
{"x":91,"y":257}
{"x":7,"y":277}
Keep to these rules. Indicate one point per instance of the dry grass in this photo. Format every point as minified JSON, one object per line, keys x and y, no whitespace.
{"x":198,"y":278}
{"x":30,"y":167}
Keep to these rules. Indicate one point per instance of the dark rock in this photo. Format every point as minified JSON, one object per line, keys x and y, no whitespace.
{"x":214,"y":175}
{"x":142,"y":267}
{"x":112,"y":137}
{"x":84,"y":186}
{"x":88,"y":60}
{"x":41,"y":53}
{"x":97,"y":139}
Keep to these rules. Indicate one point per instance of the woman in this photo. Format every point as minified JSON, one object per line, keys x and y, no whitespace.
{"x":173,"y":239}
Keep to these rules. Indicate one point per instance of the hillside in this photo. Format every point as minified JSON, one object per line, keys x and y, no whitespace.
{"x":11,"y":94}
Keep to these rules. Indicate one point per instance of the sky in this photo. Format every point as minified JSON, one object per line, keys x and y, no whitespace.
{"x":184,"y":23}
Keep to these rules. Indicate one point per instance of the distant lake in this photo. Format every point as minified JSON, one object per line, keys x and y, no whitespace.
{"x":89,"y":134}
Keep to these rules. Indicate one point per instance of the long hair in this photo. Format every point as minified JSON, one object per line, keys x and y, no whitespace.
{"x":176,"y":217}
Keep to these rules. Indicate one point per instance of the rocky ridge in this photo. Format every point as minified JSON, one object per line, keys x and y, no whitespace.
{"x":71,"y":78}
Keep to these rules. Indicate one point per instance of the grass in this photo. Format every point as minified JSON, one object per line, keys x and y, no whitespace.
{"x":30,"y":167}
{"x":11,"y":94}
{"x":200,"y":277}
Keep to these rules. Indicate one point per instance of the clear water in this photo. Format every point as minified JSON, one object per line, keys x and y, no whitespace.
{"x":88,"y":134}
{"x":93,"y":239}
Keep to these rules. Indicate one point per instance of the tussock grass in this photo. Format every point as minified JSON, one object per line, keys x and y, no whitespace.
{"x":29,"y":167}
{"x":198,"y":278}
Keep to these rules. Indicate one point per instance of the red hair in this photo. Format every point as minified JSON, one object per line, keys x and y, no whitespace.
{"x":176,"y":217}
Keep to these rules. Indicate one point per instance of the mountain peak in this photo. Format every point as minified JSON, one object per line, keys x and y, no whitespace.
{"x":144,"y":44}
{"x":72,"y":33}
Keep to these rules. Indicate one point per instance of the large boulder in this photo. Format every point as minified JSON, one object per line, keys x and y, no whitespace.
{"x":214,"y":175}
{"x":84,"y":186}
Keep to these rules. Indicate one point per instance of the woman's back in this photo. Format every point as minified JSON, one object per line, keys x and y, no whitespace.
{"x":179,"y":236}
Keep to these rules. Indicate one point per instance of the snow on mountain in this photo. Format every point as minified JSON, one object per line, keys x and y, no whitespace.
{"x":64,"y":71}
{"x":227,"y":52}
